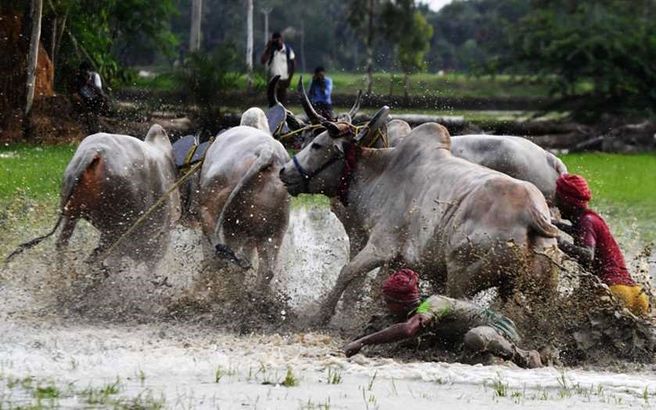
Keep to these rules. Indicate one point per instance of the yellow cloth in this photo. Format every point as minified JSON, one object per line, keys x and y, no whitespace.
{"x":633,"y":298}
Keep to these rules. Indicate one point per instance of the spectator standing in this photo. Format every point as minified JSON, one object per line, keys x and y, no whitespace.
{"x":320,"y":93}
{"x":278,"y":58}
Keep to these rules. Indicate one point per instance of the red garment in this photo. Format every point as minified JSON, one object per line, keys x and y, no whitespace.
{"x":402,"y":287}
{"x":608,"y":262}
{"x":573,"y":189}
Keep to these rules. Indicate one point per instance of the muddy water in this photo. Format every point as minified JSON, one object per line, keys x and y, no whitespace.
{"x":118,"y":344}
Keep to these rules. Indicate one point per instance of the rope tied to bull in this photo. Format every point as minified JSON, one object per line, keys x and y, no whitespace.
{"x":298,"y":131}
{"x":377,"y":135}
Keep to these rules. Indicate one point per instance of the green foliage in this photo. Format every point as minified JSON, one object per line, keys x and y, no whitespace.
{"x":109,"y":32}
{"x":204,"y":78}
{"x":604,"y":43}
{"x":414,"y":45}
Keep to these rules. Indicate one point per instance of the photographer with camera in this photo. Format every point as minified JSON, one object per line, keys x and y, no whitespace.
{"x":278,"y":58}
{"x":321,"y":89}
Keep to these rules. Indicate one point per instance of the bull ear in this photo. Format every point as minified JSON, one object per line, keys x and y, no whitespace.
{"x":272,"y":87}
{"x":356,"y":106}
{"x":340,"y":146}
{"x":376,"y":122}
{"x":311,"y":113}
{"x":292,"y":122}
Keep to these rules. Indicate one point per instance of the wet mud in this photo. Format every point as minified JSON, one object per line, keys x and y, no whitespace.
{"x":184,"y":301}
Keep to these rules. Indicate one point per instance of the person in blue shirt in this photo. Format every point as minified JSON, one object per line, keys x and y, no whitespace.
{"x":320,"y":93}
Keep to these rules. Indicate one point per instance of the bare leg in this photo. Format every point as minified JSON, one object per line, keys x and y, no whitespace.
{"x":63,"y":239}
{"x":267,"y":254}
{"x":486,"y":339}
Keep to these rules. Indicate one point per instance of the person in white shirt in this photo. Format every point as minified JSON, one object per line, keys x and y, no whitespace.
{"x":278,"y":58}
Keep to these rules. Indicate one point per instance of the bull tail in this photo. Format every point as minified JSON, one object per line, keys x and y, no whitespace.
{"x":73,"y":178}
{"x":556,"y":163}
{"x":263,"y":160}
{"x":70,"y":183}
{"x":540,"y":222}
{"x":32,"y":243}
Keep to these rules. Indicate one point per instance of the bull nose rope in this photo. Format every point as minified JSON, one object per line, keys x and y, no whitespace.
{"x":150,"y":210}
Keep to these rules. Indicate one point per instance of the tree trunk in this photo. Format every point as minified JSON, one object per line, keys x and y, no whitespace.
{"x":370,"y":47}
{"x":196,"y":17}
{"x":249,"y":45}
{"x":406,"y":85}
{"x":37,"y":8}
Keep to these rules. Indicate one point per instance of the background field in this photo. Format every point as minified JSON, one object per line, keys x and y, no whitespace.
{"x":421,"y":84}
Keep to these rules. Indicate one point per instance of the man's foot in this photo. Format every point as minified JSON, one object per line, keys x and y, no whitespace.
{"x":528,"y":359}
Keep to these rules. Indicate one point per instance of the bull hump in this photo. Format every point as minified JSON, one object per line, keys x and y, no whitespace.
{"x":157,"y":136}
{"x":430,"y":135}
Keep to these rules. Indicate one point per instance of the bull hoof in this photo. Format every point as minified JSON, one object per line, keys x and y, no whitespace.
{"x":320,"y":319}
{"x":224,"y":252}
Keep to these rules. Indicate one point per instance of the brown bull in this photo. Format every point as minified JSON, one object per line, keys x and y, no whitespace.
{"x":470,"y":227}
{"x":244,"y":207}
{"x":111,"y":181}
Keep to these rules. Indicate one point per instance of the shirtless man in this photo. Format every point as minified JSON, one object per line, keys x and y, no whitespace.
{"x":481,"y":330}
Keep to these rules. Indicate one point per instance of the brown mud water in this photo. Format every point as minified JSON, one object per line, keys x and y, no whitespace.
{"x":170,"y":336}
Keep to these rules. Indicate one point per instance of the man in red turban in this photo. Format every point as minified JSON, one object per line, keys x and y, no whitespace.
{"x":481,"y":330}
{"x":594,"y":246}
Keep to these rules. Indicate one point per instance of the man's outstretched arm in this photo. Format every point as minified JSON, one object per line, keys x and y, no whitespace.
{"x":582,"y":254}
{"x":394,"y":333}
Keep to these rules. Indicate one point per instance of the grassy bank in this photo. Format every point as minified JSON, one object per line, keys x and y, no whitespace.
{"x":421,"y":84}
{"x":36,"y":171}
{"x":624,"y":190}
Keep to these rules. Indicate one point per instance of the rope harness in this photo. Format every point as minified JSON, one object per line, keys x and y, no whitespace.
{"x":351,"y":155}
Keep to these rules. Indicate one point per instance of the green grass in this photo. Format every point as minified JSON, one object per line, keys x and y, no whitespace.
{"x":617,"y":178}
{"x":623,"y":186}
{"x":32,"y":171}
{"x":385,"y":83}
{"x":623,"y":189}
{"x":36,"y":172}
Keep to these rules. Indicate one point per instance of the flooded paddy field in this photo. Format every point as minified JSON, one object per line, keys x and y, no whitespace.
{"x":140,"y":338}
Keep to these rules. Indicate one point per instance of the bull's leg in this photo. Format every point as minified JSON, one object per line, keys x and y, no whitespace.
{"x":368,"y":259}
{"x":267,"y":254}
{"x":63,"y":239}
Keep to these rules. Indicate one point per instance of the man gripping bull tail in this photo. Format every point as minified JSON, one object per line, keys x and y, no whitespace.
{"x":541,"y":222}
{"x":263,"y":160}
{"x":68,"y":187}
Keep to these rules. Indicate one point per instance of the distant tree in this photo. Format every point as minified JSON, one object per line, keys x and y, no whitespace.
{"x":404,"y":26}
{"x":109,"y":33}
{"x":602,"y":44}
{"x":204,"y":78}
{"x":362,"y":15}
{"x":413,"y":46}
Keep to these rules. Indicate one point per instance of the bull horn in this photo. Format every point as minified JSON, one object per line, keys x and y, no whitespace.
{"x":332,"y":129}
{"x":272,"y":87}
{"x":356,"y":105}
{"x":311,"y":113}
{"x":378,"y":120}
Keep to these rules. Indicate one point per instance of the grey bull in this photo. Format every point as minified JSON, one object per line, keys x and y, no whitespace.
{"x":111,"y":181}
{"x":514,"y":156}
{"x":244,"y":207}
{"x":469,"y":227}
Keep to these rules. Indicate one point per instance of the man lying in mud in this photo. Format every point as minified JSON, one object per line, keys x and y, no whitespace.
{"x":481,"y":330}
{"x":594,"y":246}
